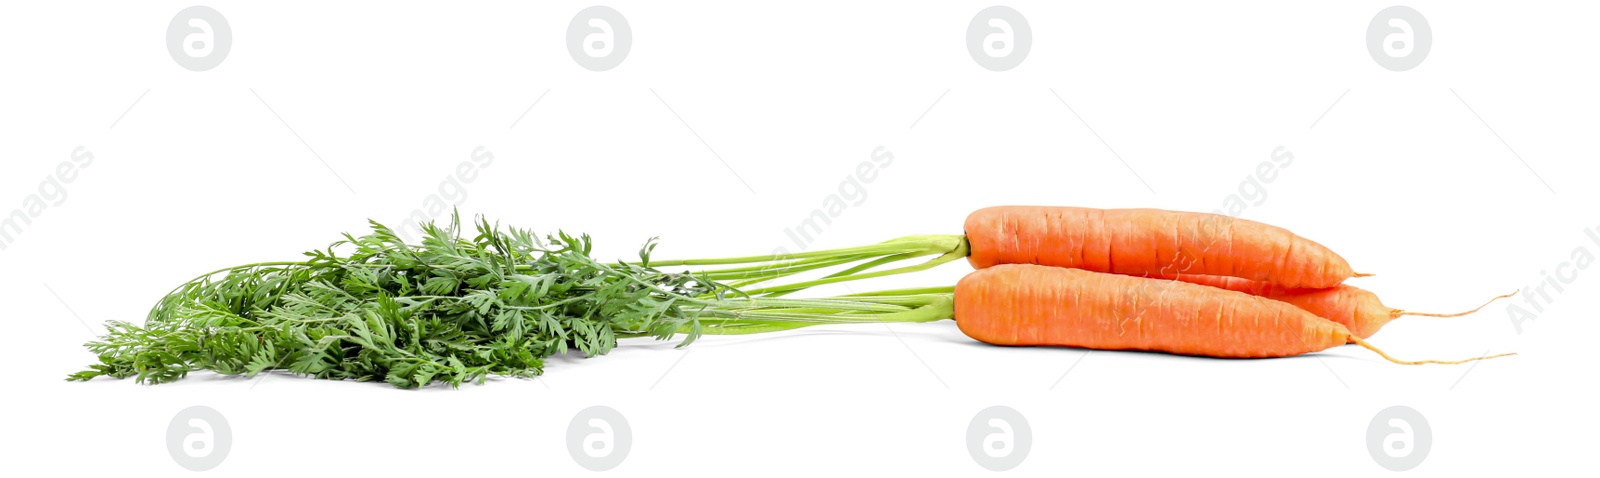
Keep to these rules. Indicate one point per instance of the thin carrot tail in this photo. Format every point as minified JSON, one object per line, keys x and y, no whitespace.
{"x":1458,"y":314}
{"x":1386,"y":356}
{"x":1362,"y":274}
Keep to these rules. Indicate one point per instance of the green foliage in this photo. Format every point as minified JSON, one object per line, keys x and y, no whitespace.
{"x":452,"y":310}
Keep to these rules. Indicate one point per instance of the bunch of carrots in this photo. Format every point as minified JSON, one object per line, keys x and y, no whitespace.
{"x":1137,"y":279}
{"x":457,"y":308}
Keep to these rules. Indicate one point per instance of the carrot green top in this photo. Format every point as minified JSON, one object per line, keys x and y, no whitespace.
{"x":458,"y":308}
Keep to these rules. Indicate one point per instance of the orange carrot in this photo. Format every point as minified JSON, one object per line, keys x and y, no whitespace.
{"x":1150,"y":242}
{"x":1038,"y":305}
{"x":1350,"y":306}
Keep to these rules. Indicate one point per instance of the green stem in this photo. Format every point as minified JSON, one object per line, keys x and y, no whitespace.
{"x":902,"y":300}
{"x":858,"y":268}
{"x":958,"y":253}
{"x":935,"y":307}
{"x":912,"y":291}
{"x":794,"y":263}
{"x":880,"y":261}
{"x":931,"y":242}
{"x":772,"y":271}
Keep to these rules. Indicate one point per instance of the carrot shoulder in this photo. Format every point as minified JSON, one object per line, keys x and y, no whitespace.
{"x":1150,"y":242}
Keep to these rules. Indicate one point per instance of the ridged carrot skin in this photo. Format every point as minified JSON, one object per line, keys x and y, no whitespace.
{"x":1037,"y":305}
{"x":1355,"y":308}
{"x":1150,"y":242}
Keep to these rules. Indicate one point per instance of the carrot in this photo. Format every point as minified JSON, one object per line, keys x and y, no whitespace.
{"x":1142,"y":242}
{"x":455,"y":310}
{"x":1355,"y":308}
{"x":1038,"y":305}
{"x":1150,"y":242}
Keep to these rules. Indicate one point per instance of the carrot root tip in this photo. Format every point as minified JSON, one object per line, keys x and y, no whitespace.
{"x":1458,"y":314}
{"x":1390,"y":358}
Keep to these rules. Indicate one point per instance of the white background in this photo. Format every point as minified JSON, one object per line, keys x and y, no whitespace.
{"x":1401,"y":172}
